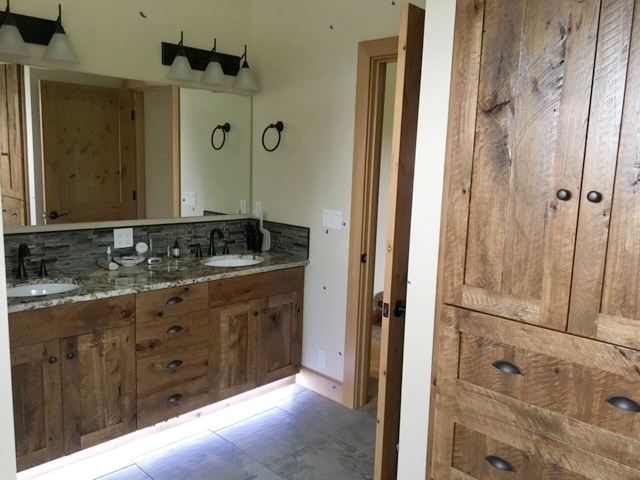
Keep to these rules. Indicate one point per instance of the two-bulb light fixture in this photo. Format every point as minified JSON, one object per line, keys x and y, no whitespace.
{"x":215,"y":65}
{"x":18,"y":30}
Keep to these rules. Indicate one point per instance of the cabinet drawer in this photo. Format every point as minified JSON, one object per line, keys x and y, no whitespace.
{"x":250,"y":287}
{"x":52,"y":323}
{"x":586,"y":380}
{"x":172,"y":368}
{"x":481,"y":457}
{"x":172,"y":401}
{"x":168,"y":302}
{"x":166,"y":334}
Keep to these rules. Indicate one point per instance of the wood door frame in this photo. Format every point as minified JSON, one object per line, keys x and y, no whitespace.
{"x":373,"y":57}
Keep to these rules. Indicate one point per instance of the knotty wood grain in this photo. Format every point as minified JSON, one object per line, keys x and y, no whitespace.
{"x":172,"y":301}
{"x":154,"y":337}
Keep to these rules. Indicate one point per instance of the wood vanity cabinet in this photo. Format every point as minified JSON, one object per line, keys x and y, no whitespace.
{"x":539,"y":321}
{"x":73,"y":377}
{"x":256,"y":340}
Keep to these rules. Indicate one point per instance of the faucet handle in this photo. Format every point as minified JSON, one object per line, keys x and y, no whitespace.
{"x":225,"y":248}
{"x":43,"y":266}
{"x":198,"y":249}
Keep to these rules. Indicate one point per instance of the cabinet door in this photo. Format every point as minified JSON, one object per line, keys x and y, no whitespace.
{"x":521,"y":85}
{"x":11,"y":144}
{"x":605,"y":298}
{"x":12,"y":212}
{"x":233,"y":346}
{"x":280,"y":337}
{"x":98,"y":383}
{"x":37,"y":400}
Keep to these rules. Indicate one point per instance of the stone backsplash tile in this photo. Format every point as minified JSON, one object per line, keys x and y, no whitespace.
{"x":78,"y":248}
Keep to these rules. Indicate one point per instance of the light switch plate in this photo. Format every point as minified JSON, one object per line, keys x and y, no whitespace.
{"x":122,"y":237}
{"x":189,"y":199}
{"x":257,"y":208}
{"x":332,"y":219}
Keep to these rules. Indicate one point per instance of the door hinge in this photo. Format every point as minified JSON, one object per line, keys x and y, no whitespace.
{"x":363,"y":258}
{"x":133,"y":115}
{"x":134,"y":195}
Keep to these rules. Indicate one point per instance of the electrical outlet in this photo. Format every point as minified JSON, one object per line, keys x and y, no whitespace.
{"x":122,"y":237}
{"x":322,"y":358}
{"x":257,"y":208}
{"x":243,"y":206}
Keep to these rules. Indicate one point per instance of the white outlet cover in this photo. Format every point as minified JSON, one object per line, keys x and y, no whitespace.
{"x":322,"y":358}
{"x":332,"y":219}
{"x":257,"y":208}
{"x":243,"y":206}
{"x":122,"y":237}
{"x":189,"y":199}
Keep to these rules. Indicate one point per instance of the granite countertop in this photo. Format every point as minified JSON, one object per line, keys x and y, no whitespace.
{"x":100,"y":283}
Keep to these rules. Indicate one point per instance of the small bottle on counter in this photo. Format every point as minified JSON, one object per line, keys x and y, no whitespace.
{"x":108,"y":255}
{"x":175,"y":253}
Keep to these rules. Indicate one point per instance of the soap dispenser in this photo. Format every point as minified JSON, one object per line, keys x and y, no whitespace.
{"x":176,"y":250}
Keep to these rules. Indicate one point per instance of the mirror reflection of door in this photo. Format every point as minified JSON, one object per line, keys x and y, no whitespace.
{"x":89,"y":157}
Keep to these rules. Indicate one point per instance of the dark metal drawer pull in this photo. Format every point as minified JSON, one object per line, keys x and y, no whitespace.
{"x":174,"y":300}
{"x":174,"y":364}
{"x":499,"y":463}
{"x":507,"y":367}
{"x":53,"y":360}
{"x":174,"y":398}
{"x":174,"y":329}
{"x":624,"y":403}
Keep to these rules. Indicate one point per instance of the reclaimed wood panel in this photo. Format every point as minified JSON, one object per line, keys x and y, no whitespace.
{"x":234,"y":341}
{"x":249,"y":287}
{"x":99,"y":387}
{"x":166,"y":334}
{"x":37,"y":400}
{"x":172,"y":301}
{"x":172,"y":368}
{"x":53,"y":323}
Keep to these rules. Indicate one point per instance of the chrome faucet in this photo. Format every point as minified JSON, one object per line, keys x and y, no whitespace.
{"x":23,"y":251}
{"x":212,"y":249}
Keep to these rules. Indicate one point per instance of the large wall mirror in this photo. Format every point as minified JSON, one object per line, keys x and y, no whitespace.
{"x":105,"y":149}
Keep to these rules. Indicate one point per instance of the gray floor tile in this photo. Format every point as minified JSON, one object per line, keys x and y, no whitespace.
{"x":333,"y":460}
{"x":205,"y":458}
{"x":265,"y":474}
{"x":319,"y":411}
{"x":129,"y":473}
{"x":360,"y":435}
{"x":272,"y":435}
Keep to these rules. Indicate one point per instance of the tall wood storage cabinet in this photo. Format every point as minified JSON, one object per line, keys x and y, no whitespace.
{"x":538,"y":329}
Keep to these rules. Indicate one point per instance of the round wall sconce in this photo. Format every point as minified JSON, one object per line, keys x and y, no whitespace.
{"x":279,"y":126}
{"x":224,"y":128}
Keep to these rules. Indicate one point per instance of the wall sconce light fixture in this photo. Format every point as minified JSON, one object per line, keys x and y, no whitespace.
{"x":207,"y":59}
{"x":244,"y":79}
{"x":60,"y":48}
{"x":213,"y":75}
{"x":279,"y":126}
{"x":11,"y":41}
{"x":225,"y":129}
{"x":180,"y":67}
{"x":38,"y":31}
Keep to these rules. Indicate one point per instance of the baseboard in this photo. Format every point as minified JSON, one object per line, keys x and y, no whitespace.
{"x":325,"y":386}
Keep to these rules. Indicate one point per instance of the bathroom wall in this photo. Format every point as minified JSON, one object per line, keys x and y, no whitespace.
{"x":306,"y":56}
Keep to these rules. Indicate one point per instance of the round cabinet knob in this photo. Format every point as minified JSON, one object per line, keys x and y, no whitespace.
{"x":52,"y":360}
{"x":563,"y":195}
{"x":71,"y":356}
{"x":594,"y":197}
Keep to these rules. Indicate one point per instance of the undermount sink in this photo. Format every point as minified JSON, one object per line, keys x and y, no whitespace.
{"x":40,"y":289}
{"x":232,"y":261}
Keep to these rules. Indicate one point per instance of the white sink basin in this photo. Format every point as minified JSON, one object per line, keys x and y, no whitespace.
{"x":232,"y":261}
{"x":40,"y":289}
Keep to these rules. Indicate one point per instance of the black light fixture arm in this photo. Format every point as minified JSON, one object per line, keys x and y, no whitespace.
{"x":199,"y":59}
{"x":279,"y":126}
{"x":33,"y":29}
{"x":225,"y":129}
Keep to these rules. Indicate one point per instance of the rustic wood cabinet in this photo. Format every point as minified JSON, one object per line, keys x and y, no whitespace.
{"x":539,"y":279}
{"x":73,"y":375}
{"x":12,"y":158}
{"x":88,"y":372}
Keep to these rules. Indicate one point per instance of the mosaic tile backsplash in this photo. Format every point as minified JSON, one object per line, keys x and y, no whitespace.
{"x":83,"y":247}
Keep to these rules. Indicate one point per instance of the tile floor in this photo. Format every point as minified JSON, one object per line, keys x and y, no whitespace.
{"x":290,"y":433}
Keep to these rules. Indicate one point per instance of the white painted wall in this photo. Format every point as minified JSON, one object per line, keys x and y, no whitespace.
{"x":307,"y":75}
{"x":158,"y":153}
{"x":219,"y":178}
{"x":425,"y":231}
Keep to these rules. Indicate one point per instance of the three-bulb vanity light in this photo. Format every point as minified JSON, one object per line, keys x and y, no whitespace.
{"x":18,"y":30}
{"x":184,"y":60}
